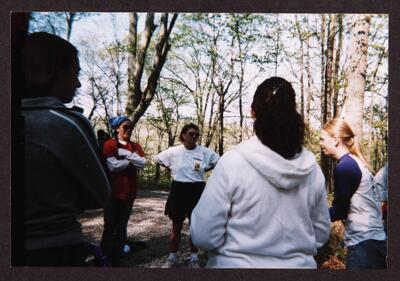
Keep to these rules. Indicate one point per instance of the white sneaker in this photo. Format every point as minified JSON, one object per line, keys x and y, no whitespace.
{"x":194,"y":263}
{"x":170,"y":263}
{"x":127,"y":249}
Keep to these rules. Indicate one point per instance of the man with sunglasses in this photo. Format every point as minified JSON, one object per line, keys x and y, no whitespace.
{"x":188,"y":163}
{"x":123,"y":158}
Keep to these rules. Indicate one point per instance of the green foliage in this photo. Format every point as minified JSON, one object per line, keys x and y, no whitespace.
{"x":147,"y":178}
{"x":311,"y":142}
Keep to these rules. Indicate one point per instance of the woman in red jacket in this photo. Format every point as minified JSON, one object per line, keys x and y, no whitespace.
{"x":123,"y":158}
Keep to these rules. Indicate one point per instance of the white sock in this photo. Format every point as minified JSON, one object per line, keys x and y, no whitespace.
{"x":172,"y":256}
{"x":194,"y":257}
{"x":127,"y":249}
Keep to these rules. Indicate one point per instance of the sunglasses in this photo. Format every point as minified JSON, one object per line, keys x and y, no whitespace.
{"x":127,"y":128}
{"x":193,"y":134}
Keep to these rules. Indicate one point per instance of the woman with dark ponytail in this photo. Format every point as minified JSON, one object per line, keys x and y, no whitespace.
{"x":265,"y":204}
{"x":278,"y":124}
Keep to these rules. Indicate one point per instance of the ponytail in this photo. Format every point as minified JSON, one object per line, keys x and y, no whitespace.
{"x":355,"y":149}
{"x":341,"y":129}
{"x":278,"y":125}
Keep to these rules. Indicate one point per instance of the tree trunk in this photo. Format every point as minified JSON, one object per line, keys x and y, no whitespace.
{"x":301,"y":39}
{"x":336,"y":67}
{"x":309,"y":90}
{"x":132,"y":47}
{"x":138,"y":99}
{"x":329,"y":69}
{"x":70,"y":20}
{"x":278,"y":35}
{"x":356,"y":73}
{"x":221,"y":122}
{"x":326,"y":78}
{"x":241,"y":79}
{"x":323,"y":31}
{"x":371,"y":105}
{"x":158,"y":170}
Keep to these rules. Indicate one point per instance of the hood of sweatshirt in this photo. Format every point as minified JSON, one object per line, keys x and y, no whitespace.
{"x":280,"y":172}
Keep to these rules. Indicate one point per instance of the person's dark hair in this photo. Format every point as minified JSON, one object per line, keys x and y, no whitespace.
{"x":278,"y":125}
{"x":186,"y":128}
{"x":44,"y":56}
{"x":100,"y":133}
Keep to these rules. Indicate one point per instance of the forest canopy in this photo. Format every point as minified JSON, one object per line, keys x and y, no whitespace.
{"x":166,"y":69}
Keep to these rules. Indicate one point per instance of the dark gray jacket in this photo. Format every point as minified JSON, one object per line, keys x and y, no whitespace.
{"x":63,"y":174}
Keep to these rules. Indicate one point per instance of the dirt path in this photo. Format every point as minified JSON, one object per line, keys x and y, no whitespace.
{"x":147,"y":223}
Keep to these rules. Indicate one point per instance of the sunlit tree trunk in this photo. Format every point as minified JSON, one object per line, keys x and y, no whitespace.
{"x":356,"y":73}
{"x":138,"y":99}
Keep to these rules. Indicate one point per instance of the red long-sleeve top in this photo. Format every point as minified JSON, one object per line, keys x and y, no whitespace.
{"x":124,"y":184}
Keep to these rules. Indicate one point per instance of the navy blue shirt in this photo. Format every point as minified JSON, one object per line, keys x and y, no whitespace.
{"x":347,"y":177}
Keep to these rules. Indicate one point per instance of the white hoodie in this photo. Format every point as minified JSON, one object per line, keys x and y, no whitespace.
{"x":259,"y":210}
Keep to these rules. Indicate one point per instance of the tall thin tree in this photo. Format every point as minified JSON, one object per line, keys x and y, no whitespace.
{"x":356,"y":72}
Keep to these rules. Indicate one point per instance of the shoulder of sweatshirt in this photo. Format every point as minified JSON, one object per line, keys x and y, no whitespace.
{"x":52,"y":126}
{"x":232,"y":160}
{"x":318,"y":178}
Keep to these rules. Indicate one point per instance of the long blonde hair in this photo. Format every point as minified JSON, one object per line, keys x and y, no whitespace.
{"x":341,"y":129}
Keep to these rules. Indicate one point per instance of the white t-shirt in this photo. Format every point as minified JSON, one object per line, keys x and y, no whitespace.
{"x":187,"y":165}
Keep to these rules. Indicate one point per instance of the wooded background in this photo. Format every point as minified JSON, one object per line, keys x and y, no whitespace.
{"x":164,"y":70}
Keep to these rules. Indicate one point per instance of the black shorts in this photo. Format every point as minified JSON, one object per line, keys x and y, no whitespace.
{"x":182,"y":199}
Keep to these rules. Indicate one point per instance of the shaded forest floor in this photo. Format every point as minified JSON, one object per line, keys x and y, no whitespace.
{"x":149,"y":224}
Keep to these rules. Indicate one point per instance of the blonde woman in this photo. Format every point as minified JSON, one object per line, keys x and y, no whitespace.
{"x":356,"y":199}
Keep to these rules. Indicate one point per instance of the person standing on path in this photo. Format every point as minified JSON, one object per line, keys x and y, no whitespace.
{"x":63,"y":174}
{"x":356,"y":197}
{"x":188,"y":163}
{"x":123,"y":158}
{"x":381,"y":182}
{"x":265,"y":205}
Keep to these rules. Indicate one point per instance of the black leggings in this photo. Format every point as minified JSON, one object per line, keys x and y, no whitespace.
{"x":116,"y":217}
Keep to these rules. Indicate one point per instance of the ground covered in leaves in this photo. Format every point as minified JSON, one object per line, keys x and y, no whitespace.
{"x":149,"y":224}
